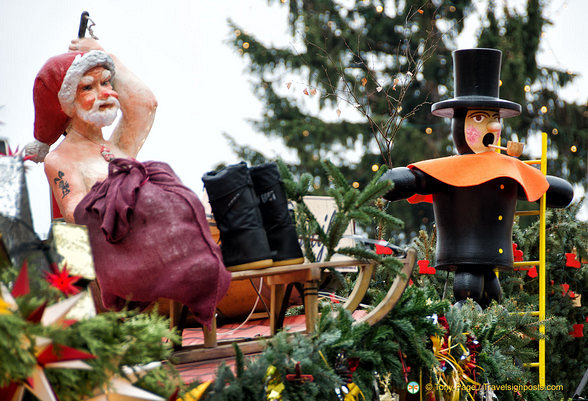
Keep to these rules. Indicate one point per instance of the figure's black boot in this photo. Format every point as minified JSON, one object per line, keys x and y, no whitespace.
{"x":468,"y":284}
{"x":235,"y":208}
{"x":278,"y":224}
{"x":491,"y":290}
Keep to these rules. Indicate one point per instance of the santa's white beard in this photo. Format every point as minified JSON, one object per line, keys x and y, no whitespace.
{"x":97,"y":117}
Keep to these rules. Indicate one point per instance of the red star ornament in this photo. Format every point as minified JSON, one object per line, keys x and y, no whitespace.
{"x":62,"y":280}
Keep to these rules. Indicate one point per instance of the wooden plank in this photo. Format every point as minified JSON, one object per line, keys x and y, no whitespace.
{"x":221,"y":351}
{"x":270,"y":271}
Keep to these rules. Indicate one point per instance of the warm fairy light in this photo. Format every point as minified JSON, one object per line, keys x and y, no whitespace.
{"x":305,"y":133}
{"x":375,"y":168}
{"x":378,"y":9}
{"x":237,"y":32}
{"x":315,"y":157}
{"x":500,"y":82}
{"x":355,"y":184}
{"x":429,"y":130}
{"x":399,"y":109}
{"x":554,"y":131}
{"x":245,"y":45}
{"x":574,"y":149}
{"x":527,"y":88}
{"x":543,"y":109}
{"x":452,"y":9}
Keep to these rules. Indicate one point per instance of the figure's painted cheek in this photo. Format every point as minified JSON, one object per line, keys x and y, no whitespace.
{"x":472,"y":134}
{"x":86,"y":102}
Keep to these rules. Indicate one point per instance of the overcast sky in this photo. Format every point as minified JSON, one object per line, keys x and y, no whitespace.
{"x":179,"y":49}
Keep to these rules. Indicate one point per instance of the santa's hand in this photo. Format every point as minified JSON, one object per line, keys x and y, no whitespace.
{"x":84,"y":45}
{"x":37,"y":150}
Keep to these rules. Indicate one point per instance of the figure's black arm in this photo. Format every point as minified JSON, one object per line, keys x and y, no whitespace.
{"x":559,"y":194}
{"x":408,"y":182}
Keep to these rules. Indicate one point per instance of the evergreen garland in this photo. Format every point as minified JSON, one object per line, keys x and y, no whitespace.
{"x":568,"y":359}
{"x":116,"y":339}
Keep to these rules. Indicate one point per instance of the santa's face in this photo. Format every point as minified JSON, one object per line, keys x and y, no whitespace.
{"x":96,"y":102}
{"x":482,"y":128}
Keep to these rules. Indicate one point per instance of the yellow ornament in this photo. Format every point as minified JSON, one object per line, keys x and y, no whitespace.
{"x":273,"y":384}
{"x":4,"y":307}
{"x":353,"y":393}
{"x":196,"y":393}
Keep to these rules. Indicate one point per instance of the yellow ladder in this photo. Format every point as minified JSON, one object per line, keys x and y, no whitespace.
{"x":542,"y":276}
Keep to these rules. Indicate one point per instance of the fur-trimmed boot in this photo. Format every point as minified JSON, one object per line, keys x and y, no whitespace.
{"x":278,"y":224}
{"x":234,"y":204}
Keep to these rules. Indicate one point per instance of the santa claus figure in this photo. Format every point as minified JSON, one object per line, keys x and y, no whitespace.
{"x":149,"y":234}
{"x":474,"y":194}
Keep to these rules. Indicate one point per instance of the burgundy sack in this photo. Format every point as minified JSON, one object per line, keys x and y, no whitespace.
{"x":150,"y":239}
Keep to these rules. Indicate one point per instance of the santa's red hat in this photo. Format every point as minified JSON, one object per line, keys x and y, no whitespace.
{"x":55,"y":89}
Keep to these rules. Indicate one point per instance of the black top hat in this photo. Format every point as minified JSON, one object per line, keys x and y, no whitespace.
{"x":476,"y":76}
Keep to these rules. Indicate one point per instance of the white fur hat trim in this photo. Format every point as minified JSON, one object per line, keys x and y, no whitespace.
{"x":81,"y":65}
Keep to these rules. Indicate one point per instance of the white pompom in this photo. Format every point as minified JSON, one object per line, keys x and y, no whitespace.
{"x":36,"y":149}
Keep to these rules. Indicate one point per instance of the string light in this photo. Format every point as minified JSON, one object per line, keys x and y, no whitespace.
{"x":379,"y":9}
{"x":500,"y":82}
{"x":355,"y":184}
{"x":429,"y":130}
{"x":574,"y":149}
{"x":554,"y":131}
{"x":527,"y":88}
{"x":237,"y":33}
{"x":245,"y":45}
{"x":543,"y":109}
{"x":305,"y":133}
{"x":375,"y":168}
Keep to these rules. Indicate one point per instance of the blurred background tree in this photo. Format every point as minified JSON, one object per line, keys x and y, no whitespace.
{"x":356,"y":84}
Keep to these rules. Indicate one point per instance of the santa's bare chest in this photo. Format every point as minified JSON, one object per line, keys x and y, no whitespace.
{"x":94,"y":168}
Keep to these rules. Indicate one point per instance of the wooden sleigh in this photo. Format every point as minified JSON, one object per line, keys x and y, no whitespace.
{"x":278,"y":279}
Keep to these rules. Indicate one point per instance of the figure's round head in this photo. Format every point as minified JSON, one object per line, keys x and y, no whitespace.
{"x":476,"y":108}
{"x":56,"y":89}
{"x":96,"y":102}
{"x":474,"y":129}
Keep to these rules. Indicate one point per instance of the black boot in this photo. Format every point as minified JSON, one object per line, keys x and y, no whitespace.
{"x":235,"y":208}
{"x":468,"y":283}
{"x":492,"y":289}
{"x":278,"y":224}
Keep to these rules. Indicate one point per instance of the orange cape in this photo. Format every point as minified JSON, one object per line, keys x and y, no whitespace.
{"x":474,"y":169}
